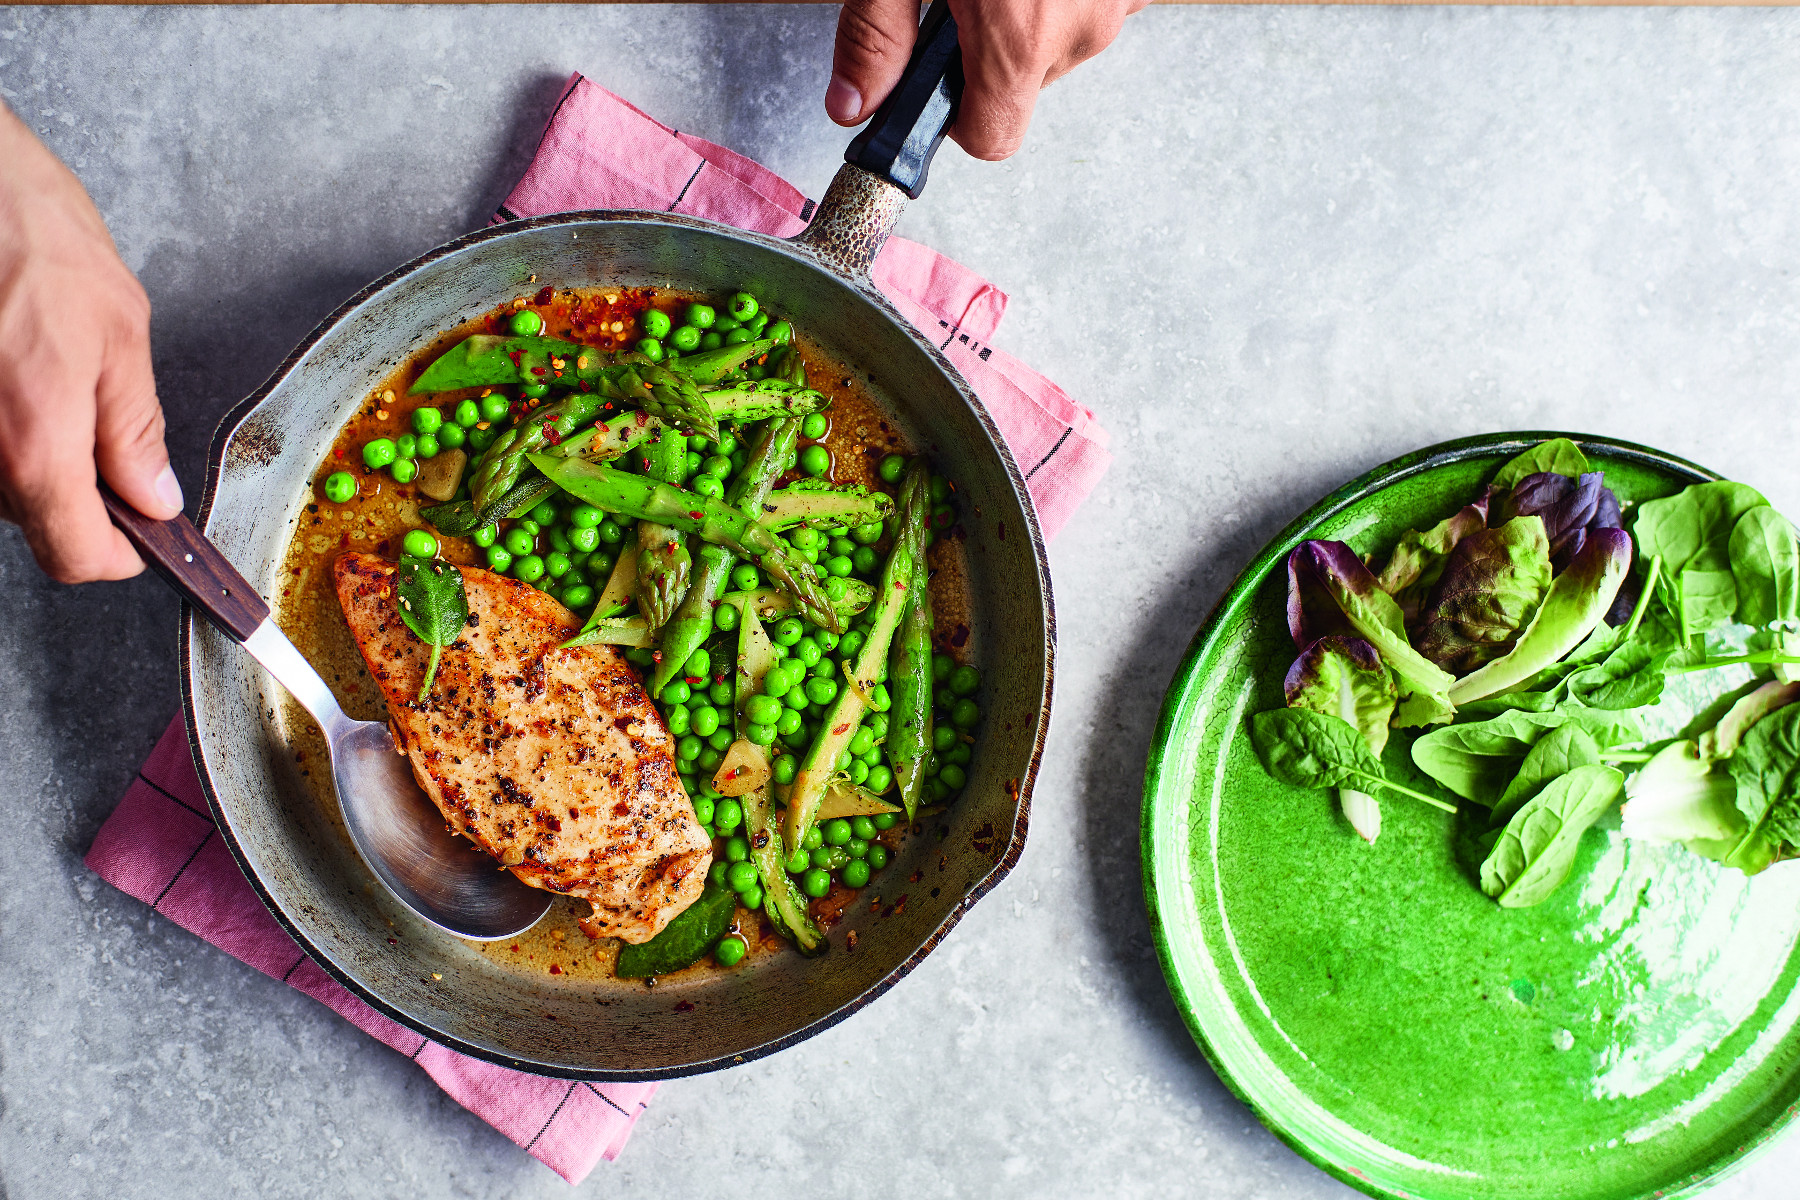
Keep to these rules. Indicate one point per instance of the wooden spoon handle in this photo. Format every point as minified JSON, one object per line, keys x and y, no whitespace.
{"x":192,"y":565}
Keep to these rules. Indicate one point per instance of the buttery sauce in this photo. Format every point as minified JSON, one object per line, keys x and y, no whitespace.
{"x":374,"y":521}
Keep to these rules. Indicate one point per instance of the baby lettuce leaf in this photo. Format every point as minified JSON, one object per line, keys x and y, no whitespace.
{"x":1345,"y":678}
{"x":1492,"y":584}
{"x":1538,"y":846}
{"x":1721,"y":741}
{"x":1573,"y":607}
{"x":1330,"y":592}
{"x":1571,"y":509}
{"x":1767,"y":770}
{"x":1306,"y":749}
{"x":1691,"y":531}
{"x":1556,"y":754}
{"x":1418,"y":560}
{"x":429,"y":595}
{"x":1560,"y":455}
{"x":1478,"y":760}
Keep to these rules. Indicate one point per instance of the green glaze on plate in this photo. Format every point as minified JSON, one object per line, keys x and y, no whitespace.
{"x":1632,"y":1036}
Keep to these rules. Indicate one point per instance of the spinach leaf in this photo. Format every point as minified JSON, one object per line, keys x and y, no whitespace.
{"x":1345,"y":678}
{"x":1630,"y":677}
{"x":1306,"y":749}
{"x":1765,"y":566}
{"x":428,"y":593}
{"x":682,"y":941}
{"x":1534,"y":853}
{"x":1478,"y":760}
{"x":1767,"y":770}
{"x":1492,"y":584}
{"x":1560,"y":455}
{"x":1691,"y":531}
{"x":1556,"y":754}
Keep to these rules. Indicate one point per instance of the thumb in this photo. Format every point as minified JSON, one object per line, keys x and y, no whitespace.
{"x":128,"y":429}
{"x":874,"y":40}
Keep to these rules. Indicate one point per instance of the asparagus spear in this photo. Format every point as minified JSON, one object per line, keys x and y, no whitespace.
{"x":782,"y":901}
{"x":713,"y":520}
{"x":846,"y":713}
{"x":764,"y":602}
{"x":693,"y":621}
{"x":501,"y":464}
{"x":488,"y":360}
{"x":773,"y":602}
{"x":816,"y":503}
{"x":463,"y":518}
{"x":909,"y":672}
{"x":663,"y":560}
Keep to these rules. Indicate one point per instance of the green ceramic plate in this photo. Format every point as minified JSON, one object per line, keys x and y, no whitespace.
{"x":1632,"y":1036}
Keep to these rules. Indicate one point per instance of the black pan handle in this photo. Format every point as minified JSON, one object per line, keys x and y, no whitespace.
{"x":899,"y":140}
{"x":192,"y":565}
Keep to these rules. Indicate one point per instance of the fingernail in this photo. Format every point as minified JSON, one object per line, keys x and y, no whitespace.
{"x":168,"y":490}
{"x":843,"y":103}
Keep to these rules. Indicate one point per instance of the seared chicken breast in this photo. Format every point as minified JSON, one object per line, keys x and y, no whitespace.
{"x":553,"y":761}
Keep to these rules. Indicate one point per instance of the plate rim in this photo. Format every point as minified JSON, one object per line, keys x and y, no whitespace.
{"x":1163,"y":890}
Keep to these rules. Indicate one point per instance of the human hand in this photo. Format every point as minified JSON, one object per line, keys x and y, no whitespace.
{"x":77,"y":399}
{"x":1010,"y":50}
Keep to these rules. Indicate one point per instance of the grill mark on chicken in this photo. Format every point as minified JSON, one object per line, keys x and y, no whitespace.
{"x":515,"y":733}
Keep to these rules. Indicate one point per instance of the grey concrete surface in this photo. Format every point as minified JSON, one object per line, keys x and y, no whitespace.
{"x":1272,"y":248}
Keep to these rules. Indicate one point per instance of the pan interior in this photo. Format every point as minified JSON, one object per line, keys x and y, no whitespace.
{"x":298,"y":854}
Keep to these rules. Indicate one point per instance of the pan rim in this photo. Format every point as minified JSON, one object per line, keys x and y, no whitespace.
{"x":233,"y":420}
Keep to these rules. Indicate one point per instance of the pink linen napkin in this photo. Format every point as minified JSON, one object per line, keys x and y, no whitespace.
{"x":600,"y":152}
{"x":161,"y":845}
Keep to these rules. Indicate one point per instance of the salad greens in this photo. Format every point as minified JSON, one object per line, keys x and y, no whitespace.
{"x":1518,"y":645}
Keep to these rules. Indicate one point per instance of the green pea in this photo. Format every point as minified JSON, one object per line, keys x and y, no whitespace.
{"x":700,"y":315}
{"x":518,"y":541}
{"x":807,"y":538}
{"x":953,"y":776}
{"x":709,"y":485}
{"x":841,"y":565}
{"x":452,"y":436}
{"x":703,"y":809}
{"x":698,"y":664}
{"x":785,"y":765}
{"x":965,"y":715}
{"x":529,"y":568}
{"x":892,"y":469}
{"x":878,"y":857}
{"x":859,"y":771}
{"x":763,"y":710}
{"x":721,"y":739}
{"x":557,"y":564}
{"x":725,"y":618}
{"x":404,"y":471}
{"x":941,"y":666}
{"x":610,"y":533}
{"x":782,"y":332}
{"x":427,"y":445}
{"x":788,"y":722}
{"x":494,"y":406}
{"x":850,"y":643}
{"x":379,"y":453}
{"x":499,"y":558}
{"x":964,"y":681}
{"x":730,"y":951}
{"x":744,"y":577}
{"x":467,"y":414}
{"x":807,"y":651}
{"x":640,"y":656}
{"x":407,"y":445}
{"x":655,"y":322}
{"x":419,"y":544}
{"x":651,"y":349}
{"x":688,"y":748}
{"x":821,"y":690}
{"x":877,"y":725}
{"x":788,"y":631}
{"x":711,"y":340}
{"x":824,"y":667}
{"x":728,"y":815}
{"x":760,"y":734}
{"x":816,"y":882}
{"x":757,"y":324}
{"x":885,"y":821}
{"x":427,"y":419}
{"x":865,"y":560}
{"x":797,"y":862}
{"x":340,"y":487}
{"x":576,"y":597}
{"x":815,"y":460}
{"x":880,"y":779}
{"x":737,"y":850}
{"x":677,"y":719}
{"x":837,"y":831}
{"x":942,"y":738}
{"x":685,"y":339}
{"x":814,"y":838}
{"x":599,"y":564}
{"x":814,"y":426}
{"x":861,"y":742}
{"x":821,"y":857}
{"x":751,"y":897}
{"x":717,"y":873}
{"x":867,"y":534}
{"x":584,"y":541}
{"x":529,"y":526}
{"x":744,"y":307}
{"x":706,"y":720}
{"x":481,"y":439}
{"x":736,"y":337}
{"x":879,"y":700}
{"x":526,"y":323}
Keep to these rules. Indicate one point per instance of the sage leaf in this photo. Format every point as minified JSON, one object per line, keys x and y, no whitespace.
{"x":694,"y":931}
{"x":429,"y":595}
{"x":1535,"y":851}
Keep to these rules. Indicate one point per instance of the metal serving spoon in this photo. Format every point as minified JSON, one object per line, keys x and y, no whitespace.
{"x":398,"y":831}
